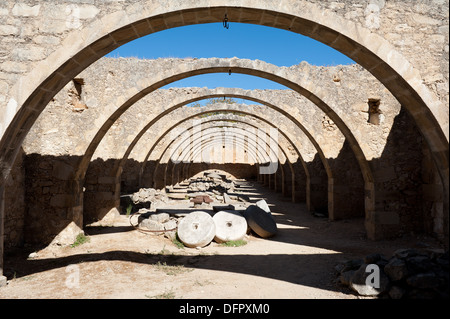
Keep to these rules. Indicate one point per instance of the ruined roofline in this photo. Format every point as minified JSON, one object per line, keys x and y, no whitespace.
{"x":303,"y":64}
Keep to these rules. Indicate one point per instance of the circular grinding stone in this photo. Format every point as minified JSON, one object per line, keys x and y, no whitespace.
{"x":261,"y":222}
{"x":230,"y":225}
{"x":197,"y":229}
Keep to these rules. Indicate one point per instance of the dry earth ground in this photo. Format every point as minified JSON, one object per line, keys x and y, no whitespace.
{"x":121,"y":262}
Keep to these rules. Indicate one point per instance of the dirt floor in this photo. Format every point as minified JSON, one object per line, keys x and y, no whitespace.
{"x":121,"y":262}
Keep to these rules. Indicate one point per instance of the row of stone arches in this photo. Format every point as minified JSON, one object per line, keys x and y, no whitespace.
{"x":31,"y":93}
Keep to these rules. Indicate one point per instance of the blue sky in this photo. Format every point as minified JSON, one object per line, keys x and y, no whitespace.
{"x":279,"y":47}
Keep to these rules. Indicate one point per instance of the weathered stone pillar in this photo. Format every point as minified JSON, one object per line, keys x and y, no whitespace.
{"x":52,"y":194}
{"x":102,"y":200}
{"x":300,"y":183}
{"x":159,"y":176}
{"x":318,"y":186}
{"x":287,"y":183}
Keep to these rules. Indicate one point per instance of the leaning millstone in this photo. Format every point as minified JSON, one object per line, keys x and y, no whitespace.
{"x":197,"y":229}
{"x":363,"y":285}
{"x":229,"y":226}
{"x":260,"y":222}
{"x":263,"y":204}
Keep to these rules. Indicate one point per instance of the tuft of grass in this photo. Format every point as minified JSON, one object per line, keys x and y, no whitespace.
{"x":166,"y":295}
{"x":171,"y":270}
{"x":80,"y":240}
{"x":177,"y":242}
{"x":234,"y":243}
{"x":129,"y":209}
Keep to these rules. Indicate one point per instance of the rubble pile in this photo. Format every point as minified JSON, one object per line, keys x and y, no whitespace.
{"x":408,"y":274}
{"x":202,"y":209}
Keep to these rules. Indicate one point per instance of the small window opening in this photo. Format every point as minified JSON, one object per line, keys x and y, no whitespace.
{"x":374,"y":111}
{"x":76,"y":95}
{"x":78,"y":83}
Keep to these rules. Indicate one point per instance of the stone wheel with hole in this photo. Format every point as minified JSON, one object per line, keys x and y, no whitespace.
{"x":261,"y":222}
{"x":229,"y":226}
{"x":197,"y":229}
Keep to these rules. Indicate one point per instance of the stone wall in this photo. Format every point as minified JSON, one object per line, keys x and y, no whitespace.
{"x":393,"y":147}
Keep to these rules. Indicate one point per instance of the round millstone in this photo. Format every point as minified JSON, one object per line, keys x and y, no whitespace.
{"x":261,"y":222}
{"x":230,"y":225}
{"x":197,"y":229}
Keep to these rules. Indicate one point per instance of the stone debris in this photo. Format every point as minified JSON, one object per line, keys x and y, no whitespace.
{"x":408,"y":274}
{"x":158,"y":223}
{"x":180,"y":210}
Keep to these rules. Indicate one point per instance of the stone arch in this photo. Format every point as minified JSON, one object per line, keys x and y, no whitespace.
{"x":369,"y":49}
{"x":282,"y":160}
{"x":101,"y":36}
{"x":236,"y":93}
{"x":186,"y":119}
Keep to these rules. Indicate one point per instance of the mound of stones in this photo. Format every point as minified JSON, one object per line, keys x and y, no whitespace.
{"x":198,"y":228}
{"x":143,"y":198}
{"x":408,"y":274}
{"x":158,"y":223}
{"x":218,"y":213}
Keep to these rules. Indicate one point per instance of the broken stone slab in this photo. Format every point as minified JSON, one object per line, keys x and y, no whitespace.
{"x":176,"y":196}
{"x":197,"y":229}
{"x":230,"y":225}
{"x":260,"y":222}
